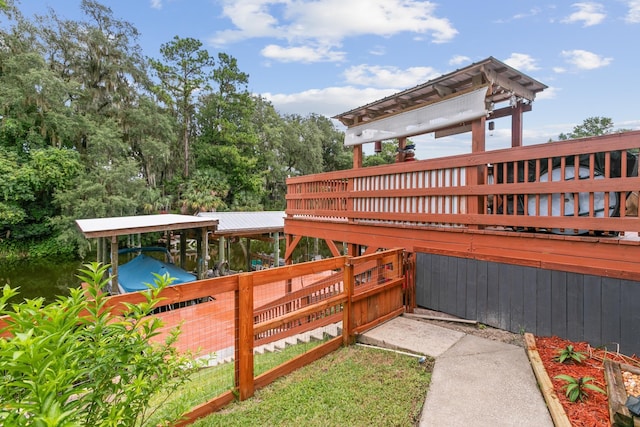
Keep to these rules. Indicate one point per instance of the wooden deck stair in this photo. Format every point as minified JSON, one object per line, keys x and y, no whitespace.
{"x":318,"y":334}
{"x":226,"y":355}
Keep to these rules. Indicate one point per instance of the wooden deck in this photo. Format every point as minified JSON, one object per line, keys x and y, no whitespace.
{"x":473,"y":206}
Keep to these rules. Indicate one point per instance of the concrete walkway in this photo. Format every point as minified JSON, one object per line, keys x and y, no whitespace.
{"x":475,"y":381}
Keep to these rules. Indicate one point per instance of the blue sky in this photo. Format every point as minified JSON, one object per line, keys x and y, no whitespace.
{"x":329,"y":56}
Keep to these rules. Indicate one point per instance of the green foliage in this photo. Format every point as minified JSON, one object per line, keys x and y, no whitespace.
{"x":28,"y":184}
{"x":86,"y":132}
{"x":185,"y":69}
{"x":205,"y":191}
{"x":73,"y":362}
{"x":385,"y":157}
{"x":591,"y":126}
{"x":570,"y":354}
{"x":576,"y":388}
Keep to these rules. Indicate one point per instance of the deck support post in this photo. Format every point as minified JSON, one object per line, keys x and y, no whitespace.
{"x":357,"y":156}
{"x":99,"y":250}
{"x":205,"y":253}
{"x":183,"y":249}
{"x":347,"y":327}
{"x":249,"y":254}
{"x":221,"y":249}
{"x":516,"y":125}
{"x":276,"y":249}
{"x":244,"y":339}
{"x":475,"y":174}
{"x":114,"y":265}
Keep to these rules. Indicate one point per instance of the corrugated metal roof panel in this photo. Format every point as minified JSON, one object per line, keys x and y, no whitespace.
{"x":247,"y":223}
{"x":118,"y":226}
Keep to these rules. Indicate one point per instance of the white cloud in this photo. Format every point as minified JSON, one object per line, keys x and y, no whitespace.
{"x":305,"y":54}
{"x":633,"y":16}
{"x":532,"y":12}
{"x":589,"y":13}
{"x":388,"y":77}
{"x":633,"y":124}
{"x":585,"y":60}
{"x":521,"y":61}
{"x":549,"y":93}
{"x":378,"y":50}
{"x":156,"y":4}
{"x":327,"y":23}
{"x":459,"y":60}
{"x":328,"y":101}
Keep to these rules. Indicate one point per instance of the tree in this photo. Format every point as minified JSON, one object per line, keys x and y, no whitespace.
{"x":302,"y":146}
{"x":591,"y":126}
{"x":204,"y":192}
{"x":187,"y":69}
{"x":335,"y":156}
{"x":386,"y":157}
{"x":227,"y":137}
{"x":270,"y":129}
{"x":148,"y":130}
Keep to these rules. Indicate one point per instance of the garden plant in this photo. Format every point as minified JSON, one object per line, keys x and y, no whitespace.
{"x":75,"y":363}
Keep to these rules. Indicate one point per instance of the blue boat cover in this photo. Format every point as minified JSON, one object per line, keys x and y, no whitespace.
{"x":137,"y":273}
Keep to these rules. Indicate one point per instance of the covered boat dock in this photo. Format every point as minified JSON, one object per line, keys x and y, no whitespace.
{"x":111,"y":228}
{"x":207,"y":226}
{"x":264,"y":226}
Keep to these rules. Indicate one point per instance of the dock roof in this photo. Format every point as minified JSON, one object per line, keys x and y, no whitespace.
{"x":247,"y":223}
{"x":118,"y":226}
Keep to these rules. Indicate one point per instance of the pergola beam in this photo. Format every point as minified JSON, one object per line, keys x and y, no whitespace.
{"x":508,"y":84}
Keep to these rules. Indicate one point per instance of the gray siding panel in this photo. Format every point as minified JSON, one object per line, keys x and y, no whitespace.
{"x":451,"y":280}
{"x":529,"y":280}
{"x":443,"y":285}
{"x":611,"y":310}
{"x":575,"y":306}
{"x":559,"y":303}
{"x":482,"y":291}
{"x":543,"y":303}
{"x":435,"y":283}
{"x":592,"y":306}
{"x":517,"y":300}
{"x":493,"y":295}
{"x":423,"y":281}
{"x":472,"y":290}
{"x":575,"y":312}
{"x":630,"y":317}
{"x":461,"y":289}
{"x":505,"y":284}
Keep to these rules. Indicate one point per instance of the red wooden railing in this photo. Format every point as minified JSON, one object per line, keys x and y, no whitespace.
{"x":358,"y":292}
{"x":479,"y":190}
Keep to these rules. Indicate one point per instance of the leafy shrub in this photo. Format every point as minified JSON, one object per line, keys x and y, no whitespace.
{"x":570,"y":354}
{"x":75,"y":363}
{"x":576,"y":388}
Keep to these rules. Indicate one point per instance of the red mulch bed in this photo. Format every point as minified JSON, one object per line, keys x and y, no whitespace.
{"x":594,"y":411}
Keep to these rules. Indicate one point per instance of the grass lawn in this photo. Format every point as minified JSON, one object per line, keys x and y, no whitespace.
{"x":211,"y":382}
{"x":353,"y":386}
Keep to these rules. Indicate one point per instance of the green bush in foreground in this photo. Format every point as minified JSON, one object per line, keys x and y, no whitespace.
{"x":73,"y":363}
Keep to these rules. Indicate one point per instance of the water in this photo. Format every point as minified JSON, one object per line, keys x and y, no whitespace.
{"x":40,"y":278}
{"x":50,"y":279}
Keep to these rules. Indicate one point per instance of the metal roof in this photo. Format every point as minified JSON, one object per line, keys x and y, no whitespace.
{"x":504,"y":80}
{"x":247,"y":223}
{"x":220,"y":223}
{"x":118,"y":226}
